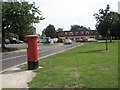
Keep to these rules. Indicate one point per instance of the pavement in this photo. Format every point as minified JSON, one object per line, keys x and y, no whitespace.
{"x":18,"y":78}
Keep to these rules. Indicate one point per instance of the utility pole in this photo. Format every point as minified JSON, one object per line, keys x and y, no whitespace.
{"x":119,"y":7}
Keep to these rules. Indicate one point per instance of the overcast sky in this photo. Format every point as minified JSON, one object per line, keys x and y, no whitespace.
{"x":64,"y":13}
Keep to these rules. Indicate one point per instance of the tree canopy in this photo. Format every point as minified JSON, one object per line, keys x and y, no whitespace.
{"x":77,"y":27}
{"x":19,"y":17}
{"x":59,"y":30}
{"x":115,"y":30}
{"x":50,"y":31}
{"x":108,"y":20}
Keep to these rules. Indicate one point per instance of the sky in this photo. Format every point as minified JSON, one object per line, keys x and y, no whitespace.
{"x":64,"y":13}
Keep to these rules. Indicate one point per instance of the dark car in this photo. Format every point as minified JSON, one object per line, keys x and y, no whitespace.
{"x":13,"y":40}
{"x":81,"y":40}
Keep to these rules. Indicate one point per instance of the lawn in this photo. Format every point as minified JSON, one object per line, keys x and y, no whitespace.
{"x":86,"y":66}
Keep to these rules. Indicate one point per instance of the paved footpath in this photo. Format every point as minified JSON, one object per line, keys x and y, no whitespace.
{"x":18,"y":78}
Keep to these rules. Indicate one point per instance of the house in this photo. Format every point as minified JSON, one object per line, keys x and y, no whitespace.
{"x":75,"y":35}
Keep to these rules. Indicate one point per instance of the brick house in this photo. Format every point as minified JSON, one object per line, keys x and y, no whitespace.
{"x":75,"y":35}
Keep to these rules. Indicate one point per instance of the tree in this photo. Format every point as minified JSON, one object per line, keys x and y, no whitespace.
{"x":59,"y":30}
{"x":19,"y":17}
{"x":115,"y":30}
{"x":104,"y":23}
{"x":50,"y":31}
{"x":43,"y":32}
{"x":77,"y":27}
{"x":8,"y":35}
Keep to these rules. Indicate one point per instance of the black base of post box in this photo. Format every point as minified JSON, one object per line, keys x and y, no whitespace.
{"x":32,"y":65}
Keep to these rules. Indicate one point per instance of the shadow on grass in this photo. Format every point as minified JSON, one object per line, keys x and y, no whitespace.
{"x":93,"y":51}
{"x":105,"y":42}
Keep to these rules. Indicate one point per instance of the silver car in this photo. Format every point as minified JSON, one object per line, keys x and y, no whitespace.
{"x":91,"y":40}
{"x":67,"y":41}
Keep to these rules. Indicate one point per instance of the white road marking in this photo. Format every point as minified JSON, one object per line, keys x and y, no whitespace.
{"x":42,"y":51}
{"x":12,"y":57}
{"x":38,"y":52}
{"x":19,"y":56}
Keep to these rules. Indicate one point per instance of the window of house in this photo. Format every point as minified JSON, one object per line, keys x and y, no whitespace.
{"x":82,"y":33}
{"x":65,"y":33}
{"x":76,"y":33}
{"x":87,"y":32}
{"x":70,"y":33}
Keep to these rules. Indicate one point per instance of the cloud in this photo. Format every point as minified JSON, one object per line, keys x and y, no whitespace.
{"x":63,"y":13}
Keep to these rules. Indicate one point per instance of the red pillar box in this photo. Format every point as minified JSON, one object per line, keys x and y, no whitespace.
{"x":32,"y":52}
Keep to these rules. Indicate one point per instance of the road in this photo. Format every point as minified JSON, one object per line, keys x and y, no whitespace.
{"x":12,"y":59}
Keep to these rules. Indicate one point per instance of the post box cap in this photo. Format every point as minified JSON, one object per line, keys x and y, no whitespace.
{"x":31,"y":36}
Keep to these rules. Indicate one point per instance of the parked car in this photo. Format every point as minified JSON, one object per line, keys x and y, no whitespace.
{"x":91,"y":40}
{"x":19,"y":41}
{"x":25,"y":41}
{"x":39,"y":41}
{"x":13,"y":40}
{"x":81,"y":40}
{"x":55,"y":40}
{"x":7,"y":41}
{"x":60,"y":40}
{"x":67,"y":41}
{"x":46,"y":40}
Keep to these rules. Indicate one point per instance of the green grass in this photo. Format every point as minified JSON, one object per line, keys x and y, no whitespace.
{"x":86,"y":66}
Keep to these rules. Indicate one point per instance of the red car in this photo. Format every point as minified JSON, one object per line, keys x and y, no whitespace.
{"x":81,"y":40}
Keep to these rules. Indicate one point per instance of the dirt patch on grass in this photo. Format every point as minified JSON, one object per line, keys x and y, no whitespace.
{"x":71,"y":68}
{"x":100,"y":67}
{"x":54,"y":68}
{"x":75,"y":74}
{"x":75,"y":85}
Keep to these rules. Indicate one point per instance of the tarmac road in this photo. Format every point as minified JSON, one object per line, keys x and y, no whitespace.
{"x":19,"y":57}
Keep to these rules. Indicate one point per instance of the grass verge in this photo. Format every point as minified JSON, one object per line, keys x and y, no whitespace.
{"x":86,"y":66}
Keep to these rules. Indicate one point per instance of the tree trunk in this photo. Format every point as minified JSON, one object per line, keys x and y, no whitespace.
{"x":106,"y":43}
{"x":3,"y":40}
{"x":110,"y":39}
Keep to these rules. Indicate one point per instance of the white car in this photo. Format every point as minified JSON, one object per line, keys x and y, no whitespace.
{"x":91,"y":40}
{"x":67,"y":41}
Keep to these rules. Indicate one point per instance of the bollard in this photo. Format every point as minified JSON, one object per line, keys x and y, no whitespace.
{"x":32,"y":52}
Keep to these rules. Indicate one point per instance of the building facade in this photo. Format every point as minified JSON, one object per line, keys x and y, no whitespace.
{"x":75,"y":35}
